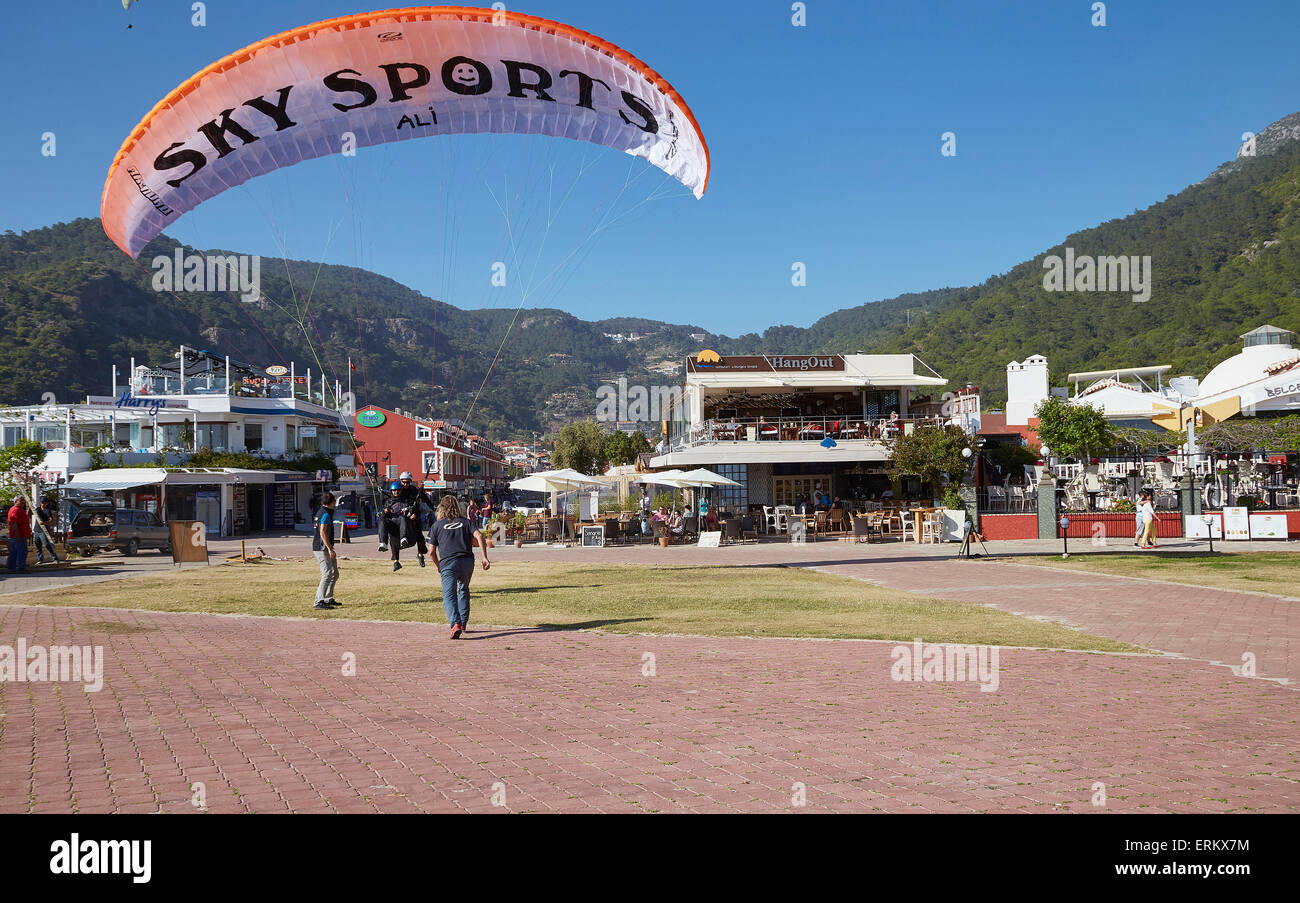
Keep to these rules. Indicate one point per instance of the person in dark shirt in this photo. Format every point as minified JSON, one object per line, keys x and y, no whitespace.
{"x":44,"y":514}
{"x":322,"y":546}
{"x":391,"y":516}
{"x":412,"y":533}
{"x":452,"y":540}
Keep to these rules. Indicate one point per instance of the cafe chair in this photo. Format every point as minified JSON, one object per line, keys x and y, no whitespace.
{"x":862,"y":529}
{"x":931,"y":527}
{"x":731,"y":530}
{"x":612,"y":531}
{"x":748,"y":527}
{"x":908,"y":525}
{"x":632,"y":530}
{"x":555,"y":530}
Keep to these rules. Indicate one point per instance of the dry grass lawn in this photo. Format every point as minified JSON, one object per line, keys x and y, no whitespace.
{"x":1260,"y":572}
{"x":710,"y":601}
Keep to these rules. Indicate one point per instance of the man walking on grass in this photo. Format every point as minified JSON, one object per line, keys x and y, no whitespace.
{"x":452,"y":542}
{"x":322,"y":546}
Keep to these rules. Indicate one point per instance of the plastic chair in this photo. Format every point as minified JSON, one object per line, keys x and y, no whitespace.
{"x":908,"y":522}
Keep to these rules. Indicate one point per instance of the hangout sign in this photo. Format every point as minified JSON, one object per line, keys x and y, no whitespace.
{"x":712,"y":362}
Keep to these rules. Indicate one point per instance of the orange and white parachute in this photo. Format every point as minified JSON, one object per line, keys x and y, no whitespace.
{"x":387,"y":76}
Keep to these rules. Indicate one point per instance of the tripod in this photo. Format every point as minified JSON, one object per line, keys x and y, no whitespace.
{"x":964,"y":551}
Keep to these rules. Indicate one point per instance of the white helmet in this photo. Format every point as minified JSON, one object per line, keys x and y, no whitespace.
{"x":406,"y":475}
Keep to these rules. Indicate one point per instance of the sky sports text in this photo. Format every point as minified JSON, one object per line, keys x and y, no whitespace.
{"x":103,"y":857}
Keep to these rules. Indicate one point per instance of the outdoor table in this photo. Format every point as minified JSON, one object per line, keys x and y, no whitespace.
{"x":918,"y":516}
{"x":768,"y":431}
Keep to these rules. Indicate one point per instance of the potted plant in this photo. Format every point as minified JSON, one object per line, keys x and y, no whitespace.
{"x":518,"y":524}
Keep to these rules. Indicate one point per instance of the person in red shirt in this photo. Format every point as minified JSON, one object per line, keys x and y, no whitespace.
{"x":20,"y":530}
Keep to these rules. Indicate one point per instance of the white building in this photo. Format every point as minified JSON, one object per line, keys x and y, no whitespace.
{"x":1027,"y":385}
{"x":163,"y":416}
{"x":1263,"y":377}
{"x":785,"y":426}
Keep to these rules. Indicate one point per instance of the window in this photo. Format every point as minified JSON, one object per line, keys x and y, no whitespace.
{"x":430,"y":462}
{"x":169,"y":435}
{"x":423,"y":433}
{"x":14,"y":435}
{"x":881,"y":404}
{"x":88,"y":437}
{"x":213,"y":436}
{"x":48,"y":434}
{"x":734,"y":497}
{"x":253,"y":436}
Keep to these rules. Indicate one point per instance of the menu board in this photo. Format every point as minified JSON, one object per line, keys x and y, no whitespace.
{"x":1195,"y":527}
{"x":593,"y":537}
{"x":1236,"y":523}
{"x":283,"y":505}
{"x":1268,"y":526}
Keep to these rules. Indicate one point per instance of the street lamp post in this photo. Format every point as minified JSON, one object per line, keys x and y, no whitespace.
{"x":1065,"y":540}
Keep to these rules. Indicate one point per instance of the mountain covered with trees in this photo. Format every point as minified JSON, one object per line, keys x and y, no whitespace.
{"x":1225,"y":258}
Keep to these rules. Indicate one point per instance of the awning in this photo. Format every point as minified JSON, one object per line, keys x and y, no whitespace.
{"x":115,"y":478}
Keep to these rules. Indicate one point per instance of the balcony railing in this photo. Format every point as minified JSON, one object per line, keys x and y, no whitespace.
{"x":804,"y":429}
{"x":217,"y":385}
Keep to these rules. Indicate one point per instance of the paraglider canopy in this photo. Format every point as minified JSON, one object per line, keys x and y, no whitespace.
{"x":369,"y":79}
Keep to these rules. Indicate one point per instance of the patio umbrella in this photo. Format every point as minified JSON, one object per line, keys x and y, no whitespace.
{"x":663,"y":478}
{"x":702,"y":476}
{"x":554,"y":481}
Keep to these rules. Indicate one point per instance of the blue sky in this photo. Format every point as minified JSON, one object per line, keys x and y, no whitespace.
{"x":825,"y":145}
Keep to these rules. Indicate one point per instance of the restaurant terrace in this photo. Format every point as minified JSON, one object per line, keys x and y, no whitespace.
{"x":785,"y":426}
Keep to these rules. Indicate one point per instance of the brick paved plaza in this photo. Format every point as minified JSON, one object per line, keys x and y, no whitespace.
{"x":260,"y":712}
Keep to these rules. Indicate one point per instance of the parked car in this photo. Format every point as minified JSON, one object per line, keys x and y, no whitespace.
{"x":127,"y":530}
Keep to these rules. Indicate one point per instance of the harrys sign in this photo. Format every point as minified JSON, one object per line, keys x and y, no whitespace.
{"x":371,"y":418}
{"x":369,"y":79}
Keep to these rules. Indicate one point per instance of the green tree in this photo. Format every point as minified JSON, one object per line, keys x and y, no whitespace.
{"x":580,"y":446}
{"x":621,"y":448}
{"x":931,"y":452}
{"x":1073,"y":430}
{"x":16,"y":462}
